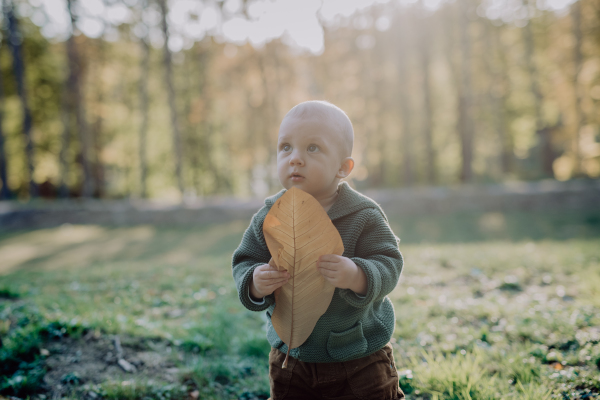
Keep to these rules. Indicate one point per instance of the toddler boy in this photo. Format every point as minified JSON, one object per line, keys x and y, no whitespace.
{"x":347,"y":356}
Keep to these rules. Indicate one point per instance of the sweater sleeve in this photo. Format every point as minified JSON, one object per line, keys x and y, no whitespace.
{"x":378,"y":255}
{"x":251,"y":253}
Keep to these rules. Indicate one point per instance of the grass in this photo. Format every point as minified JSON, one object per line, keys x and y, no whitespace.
{"x":491,"y":319}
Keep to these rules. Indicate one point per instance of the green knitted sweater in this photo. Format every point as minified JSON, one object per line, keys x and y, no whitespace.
{"x":353,"y":326}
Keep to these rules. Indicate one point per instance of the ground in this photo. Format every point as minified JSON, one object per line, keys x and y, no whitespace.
{"x":510,"y":312}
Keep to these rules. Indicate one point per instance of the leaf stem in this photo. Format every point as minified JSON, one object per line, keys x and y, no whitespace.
{"x":286,"y":358}
{"x":293,"y":285}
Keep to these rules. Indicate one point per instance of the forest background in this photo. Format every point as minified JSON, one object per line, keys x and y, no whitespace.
{"x":183,"y":99}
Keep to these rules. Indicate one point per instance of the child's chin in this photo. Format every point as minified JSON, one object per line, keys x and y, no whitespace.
{"x":299,"y":185}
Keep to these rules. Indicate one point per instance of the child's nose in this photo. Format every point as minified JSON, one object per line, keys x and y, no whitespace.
{"x":296,"y":159}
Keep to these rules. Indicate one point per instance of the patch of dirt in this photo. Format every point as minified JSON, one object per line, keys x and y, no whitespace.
{"x":94,"y":358}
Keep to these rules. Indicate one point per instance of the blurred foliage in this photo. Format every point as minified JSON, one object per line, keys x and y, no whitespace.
{"x":230,"y":99}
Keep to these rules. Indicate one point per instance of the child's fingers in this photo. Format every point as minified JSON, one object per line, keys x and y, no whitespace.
{"x":328,"y":265}
{"x":327,"y":273}
{"x":329,"y":258}
{"x":277,"y":284}
{"x":272,"y":274}
{"x":270,"y":282}
{"x":269,"y":288}
{"x":268,"y":267}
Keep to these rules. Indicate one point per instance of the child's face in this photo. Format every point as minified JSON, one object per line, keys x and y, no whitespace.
{"x":309,"y":155}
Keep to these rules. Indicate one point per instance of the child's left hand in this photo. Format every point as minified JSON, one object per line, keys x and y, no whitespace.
{"x":343,"y":273}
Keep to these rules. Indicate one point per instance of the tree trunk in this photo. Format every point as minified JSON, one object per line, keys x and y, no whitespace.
{"x":5,"y":193}
{"x":77,"y":103}
{"x":544,"y":137}
{"x":204,"y":128}
{"x":15,"y":43}
{"x":267,"y":110}
{"x":427,"y":129}
{"x":465,"y":102}
{"x":502,"y":100}
{"x":533,"y":74}
{"x":66,"y":107}
{"x":168,"y":65}
{"x":498,"y":94}
{"x":144,"y":68}
{"x":578,"y":62}
{"x":206,"y":125}
{"x":66,"y":117}
{"x":191,"y":140}
{"x":97,"y":166}
{"x":403,"y":90}
{"x":450,"y":52}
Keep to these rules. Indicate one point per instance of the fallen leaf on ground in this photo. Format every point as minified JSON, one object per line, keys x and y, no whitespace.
{"x":557,"y":366}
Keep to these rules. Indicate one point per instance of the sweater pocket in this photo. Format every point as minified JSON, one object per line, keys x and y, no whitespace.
{"x":348,"y":344}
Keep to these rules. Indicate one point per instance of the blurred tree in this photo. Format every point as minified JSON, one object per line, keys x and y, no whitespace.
{"x":418,"y":80}
{"x":15,"y":41}
{"x":66,"y":106}
{"x":96,"y":131}
{"x":404,"y":71}
{"x":143,"y":88}
{"x":499,"y":87}
{"x":5,"y":192}
{"x":75,"y":103}
{"x":541,"y":128}
{"x":424,"y":45}
{"x":203,"y":156}
{"x":168,"y":67}
{"x":465,"y":96}
{"x":576,"y":22}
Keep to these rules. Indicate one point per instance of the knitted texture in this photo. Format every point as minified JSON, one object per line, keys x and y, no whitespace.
{"x":353,"y":326}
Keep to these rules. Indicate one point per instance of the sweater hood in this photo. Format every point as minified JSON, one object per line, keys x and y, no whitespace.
{"x":348,"y":201}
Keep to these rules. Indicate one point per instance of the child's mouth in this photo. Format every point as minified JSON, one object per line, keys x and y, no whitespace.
{"x":296,"y":177}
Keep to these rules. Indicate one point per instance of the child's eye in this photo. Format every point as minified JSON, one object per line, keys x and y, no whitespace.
{"x":312,"y":148}
{"x":286,"y":147}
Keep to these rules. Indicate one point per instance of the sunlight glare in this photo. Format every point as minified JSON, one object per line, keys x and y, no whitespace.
{"x":432,"y":5}
{"x":59,"y":24}
{"x":90,"y":27}
{"x":93,"y":8}
{"x":558,"y":5}
{"x":175,"y":43}
{"x":308,"y":35}
{"x":209,"y":19}
{"x":383,"y":23}
{"x":118,"y":14}
{"x":345,"y":8}
{"x":299,"y":23}
{"x":182,"y":11}
{"x":236,"y":30}
{"x":194,"y":30}
{"x":232,"y":6}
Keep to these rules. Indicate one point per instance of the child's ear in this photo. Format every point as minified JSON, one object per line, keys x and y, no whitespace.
{"x":346,"y":167}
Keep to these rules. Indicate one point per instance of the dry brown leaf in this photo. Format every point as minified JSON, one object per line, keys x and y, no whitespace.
{"x":298,"y":231}
{"x":557,"y":366}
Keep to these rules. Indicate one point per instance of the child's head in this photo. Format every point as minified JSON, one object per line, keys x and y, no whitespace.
{"x":314,"y":148}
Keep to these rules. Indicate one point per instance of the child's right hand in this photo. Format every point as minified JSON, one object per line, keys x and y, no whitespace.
{"x":266,"y":279}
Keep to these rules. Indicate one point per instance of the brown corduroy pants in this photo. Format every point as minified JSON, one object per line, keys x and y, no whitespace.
{"x":370,"y":377}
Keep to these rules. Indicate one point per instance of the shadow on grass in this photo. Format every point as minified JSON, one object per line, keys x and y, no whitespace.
{"x":84,"y":245}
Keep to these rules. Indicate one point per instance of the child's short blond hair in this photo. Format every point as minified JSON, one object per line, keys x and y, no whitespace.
{"x":324,"y":110}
